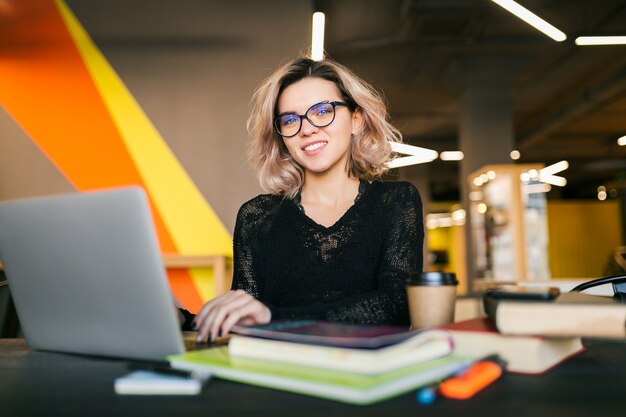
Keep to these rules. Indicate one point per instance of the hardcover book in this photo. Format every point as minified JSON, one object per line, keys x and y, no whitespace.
{"x":524,"y":354}
{"x":570,"y":315}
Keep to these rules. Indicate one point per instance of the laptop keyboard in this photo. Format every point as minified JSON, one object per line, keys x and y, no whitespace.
{"x":191,"y":344}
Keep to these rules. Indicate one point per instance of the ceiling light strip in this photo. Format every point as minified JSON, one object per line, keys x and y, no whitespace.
{"x":451,"y":155}
{"x":532,"y":19}
{"x":554,"y":168}
{"x":417,"y":155}
{"x":554,"y":180}
{"x":600,"y":40}
{"x":537,"y":188}
{"x":317,"y":36}
{"x":406,"y":161}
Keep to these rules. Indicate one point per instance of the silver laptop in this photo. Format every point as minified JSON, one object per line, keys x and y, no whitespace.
{"x":86,"y":275}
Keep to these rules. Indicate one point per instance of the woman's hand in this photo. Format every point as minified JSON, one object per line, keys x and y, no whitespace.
{"x":219,"y":315}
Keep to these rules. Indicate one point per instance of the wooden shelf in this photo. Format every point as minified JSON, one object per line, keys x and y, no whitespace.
{"x":220,"y":264}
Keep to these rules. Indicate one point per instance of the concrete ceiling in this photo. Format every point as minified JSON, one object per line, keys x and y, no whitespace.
{"x":569,"y":102}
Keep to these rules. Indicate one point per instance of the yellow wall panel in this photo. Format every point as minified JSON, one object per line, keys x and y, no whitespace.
{"x":583,"y":235}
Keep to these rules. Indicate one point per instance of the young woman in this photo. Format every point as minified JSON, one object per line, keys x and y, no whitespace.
{"x":329,"y":241}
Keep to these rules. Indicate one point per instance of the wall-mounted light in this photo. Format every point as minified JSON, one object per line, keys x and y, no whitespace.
{"x":600,"y":40}
{"x":317,"y":36}
{"x":532,"y":19}
{"x":622,"y":141}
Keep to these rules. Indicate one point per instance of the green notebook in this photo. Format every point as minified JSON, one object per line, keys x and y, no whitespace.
{"x":334,"y":385}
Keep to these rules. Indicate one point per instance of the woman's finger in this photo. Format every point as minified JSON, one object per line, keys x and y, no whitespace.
{"x":203,"y":320}
{"x":253,"y":312}
{"x":220,"y":311}
{"x":206,"y":308}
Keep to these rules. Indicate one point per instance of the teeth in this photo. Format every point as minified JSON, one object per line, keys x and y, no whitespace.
{"x":314,"y":146}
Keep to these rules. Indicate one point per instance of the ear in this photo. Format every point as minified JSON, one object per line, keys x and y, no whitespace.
{"x":357,"y":121}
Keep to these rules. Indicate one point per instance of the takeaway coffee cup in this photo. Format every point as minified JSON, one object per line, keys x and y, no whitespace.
{"x":431,"y":297}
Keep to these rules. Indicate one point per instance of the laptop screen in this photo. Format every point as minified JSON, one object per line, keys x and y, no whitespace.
{"x":87,"y":276}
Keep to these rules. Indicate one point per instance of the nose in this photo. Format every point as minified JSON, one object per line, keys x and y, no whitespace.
{"x":307,"y":127}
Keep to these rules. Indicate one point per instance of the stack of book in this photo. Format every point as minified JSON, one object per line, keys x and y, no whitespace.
{"x":535,"y":336}
{"x":356,"y":364}
{"x":569,"y":315}
{"x":525,"y":353}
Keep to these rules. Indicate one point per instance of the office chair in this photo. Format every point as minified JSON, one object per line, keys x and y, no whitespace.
{"x":9,"y":322}
{"x":620,"y":257}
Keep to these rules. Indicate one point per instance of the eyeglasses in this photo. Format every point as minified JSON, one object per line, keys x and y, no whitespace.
{"x":319,"y":115}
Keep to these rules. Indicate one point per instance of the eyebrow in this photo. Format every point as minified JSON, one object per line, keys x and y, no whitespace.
{"x":308,"y":108}
{"x":288,"y":112}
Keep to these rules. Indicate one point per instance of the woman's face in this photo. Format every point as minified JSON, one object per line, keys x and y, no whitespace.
{"x":319,"y":150}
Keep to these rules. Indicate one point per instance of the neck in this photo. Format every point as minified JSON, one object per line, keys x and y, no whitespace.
{"x":329,"y":190}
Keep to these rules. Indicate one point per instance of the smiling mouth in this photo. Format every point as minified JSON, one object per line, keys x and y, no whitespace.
{"x":314,"y":146}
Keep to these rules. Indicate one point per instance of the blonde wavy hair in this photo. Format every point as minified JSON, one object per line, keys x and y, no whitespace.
{"x":370,"y":148}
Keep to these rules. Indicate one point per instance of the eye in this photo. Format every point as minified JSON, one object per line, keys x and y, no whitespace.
{"x":289,"y":119}
{"x":323,"y":109}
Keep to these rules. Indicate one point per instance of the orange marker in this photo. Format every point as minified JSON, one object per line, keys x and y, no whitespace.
{"x":465,"y":385}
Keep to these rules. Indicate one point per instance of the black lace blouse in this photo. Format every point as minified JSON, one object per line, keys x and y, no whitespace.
{"x":353,"y":271}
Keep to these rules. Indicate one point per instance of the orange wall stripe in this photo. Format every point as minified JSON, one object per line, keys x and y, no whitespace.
{"x":48,"y":91}
{"x":193,"y":225}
